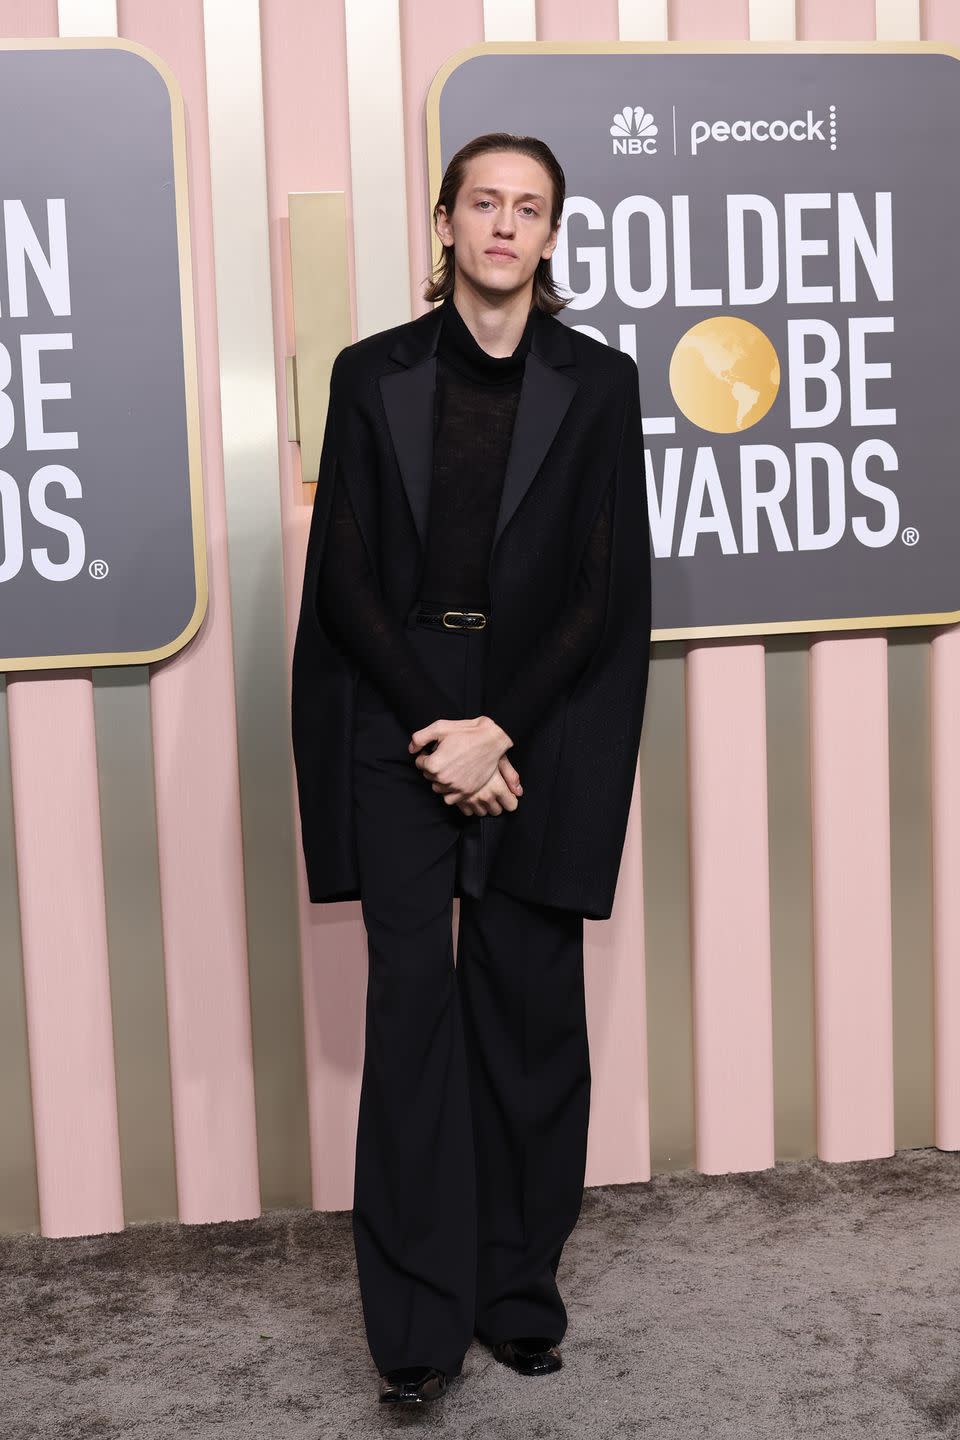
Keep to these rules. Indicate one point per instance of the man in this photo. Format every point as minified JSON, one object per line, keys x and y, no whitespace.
{"x":477,"y":584}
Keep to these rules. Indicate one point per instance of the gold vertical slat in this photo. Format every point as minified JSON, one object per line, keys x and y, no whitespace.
{"x":791,"y":896}
{"x":911,"y":883}
{"x":666,"y":908}
{"x":666,"y":841}
{"x":138,"y":991}
{"x":321,"y":308}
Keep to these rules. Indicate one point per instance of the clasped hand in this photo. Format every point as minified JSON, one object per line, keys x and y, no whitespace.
{"x":469,"y":767}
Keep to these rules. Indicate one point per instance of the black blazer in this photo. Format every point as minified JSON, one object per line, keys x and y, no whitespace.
{"x":578,"y":430}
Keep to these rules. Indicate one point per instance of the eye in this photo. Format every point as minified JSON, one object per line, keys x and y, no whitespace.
{"x":531,"y":208}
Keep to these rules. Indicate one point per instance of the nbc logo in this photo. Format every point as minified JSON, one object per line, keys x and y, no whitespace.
{"x":633,"y":132}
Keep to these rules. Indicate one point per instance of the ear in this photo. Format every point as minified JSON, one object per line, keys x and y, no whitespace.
{"x":442,"y":227}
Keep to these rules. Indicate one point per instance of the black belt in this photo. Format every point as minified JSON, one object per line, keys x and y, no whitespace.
{"x":440,"y":619}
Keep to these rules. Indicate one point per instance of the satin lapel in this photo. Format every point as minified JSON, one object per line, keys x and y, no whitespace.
{"x":545,"y":396}
{"x":408,"y":400}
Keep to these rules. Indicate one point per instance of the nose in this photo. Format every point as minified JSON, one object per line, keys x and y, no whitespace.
{"x":503,"y":226}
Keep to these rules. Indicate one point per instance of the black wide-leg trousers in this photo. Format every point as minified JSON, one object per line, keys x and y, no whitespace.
{"x":475,"y":1095}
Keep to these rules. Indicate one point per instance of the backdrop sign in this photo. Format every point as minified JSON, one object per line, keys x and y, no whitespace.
{"x":771,"y":234}
{"x":102,"y":556}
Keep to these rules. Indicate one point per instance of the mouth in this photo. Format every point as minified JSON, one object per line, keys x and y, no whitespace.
{"x":498,"y":253}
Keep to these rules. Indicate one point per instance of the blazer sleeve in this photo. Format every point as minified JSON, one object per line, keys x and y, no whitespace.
{"x":349,"y":605}
{"x":563,"y":652}
{"x":565,"y":847}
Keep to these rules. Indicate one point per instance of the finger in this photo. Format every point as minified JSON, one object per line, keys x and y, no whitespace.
{"x":477,"y":802}
{"x":506,"y":798}
{"x":491,"y":798}
{"x":510,"y":775}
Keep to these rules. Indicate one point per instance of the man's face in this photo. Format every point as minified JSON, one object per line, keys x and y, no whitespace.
{"x":500,"y":223}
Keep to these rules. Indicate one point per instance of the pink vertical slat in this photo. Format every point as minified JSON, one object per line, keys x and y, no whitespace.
{"x":945,"y":759}
{"x":730,"y":907}
{"x":572,"y":20}
{"x":942,"y":23}
{"x":63,"y":918}
{"x":696,"y":20}
{"x":851,"y":897}
{"x":849,"y":771}
{"x":826,"y":20}
{"x":195,"y":757}
{"x":66,"y":974}
{"x":618,"y":1149}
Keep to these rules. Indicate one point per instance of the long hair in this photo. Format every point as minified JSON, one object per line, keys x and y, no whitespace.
{"x":439,"y":285}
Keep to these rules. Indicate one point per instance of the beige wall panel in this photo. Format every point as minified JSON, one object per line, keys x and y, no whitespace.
{"x":509,"y":20}
{"x":644,"y":19}
{"x":772,"y":19}
{"x":898,"y":20}
{"x":87,"y":17}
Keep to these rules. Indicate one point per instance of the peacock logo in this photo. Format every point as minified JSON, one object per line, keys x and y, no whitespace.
{"x":634,"y":131}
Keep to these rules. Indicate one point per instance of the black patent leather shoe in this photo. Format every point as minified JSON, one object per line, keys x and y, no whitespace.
{"x":412,"y":1385}
{"x":529,"y":1354}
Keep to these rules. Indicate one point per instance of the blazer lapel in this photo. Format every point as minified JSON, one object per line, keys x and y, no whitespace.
{"x":408,"y":400}
{"x":545,"y":395}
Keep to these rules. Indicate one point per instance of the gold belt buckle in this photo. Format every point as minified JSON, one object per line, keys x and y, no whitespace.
{"x":464,"y":613}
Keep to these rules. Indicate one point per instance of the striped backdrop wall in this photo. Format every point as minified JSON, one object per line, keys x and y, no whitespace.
{"x":181,"y":1032}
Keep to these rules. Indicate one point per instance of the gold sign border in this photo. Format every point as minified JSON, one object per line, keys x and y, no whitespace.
{"x":191,"y":391}
{"x":657,"y":47}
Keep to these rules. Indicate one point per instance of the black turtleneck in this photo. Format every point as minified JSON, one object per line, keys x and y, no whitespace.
{"x":476,"y":401}
{"x":475,"y":406}
{"x":457,"y":349}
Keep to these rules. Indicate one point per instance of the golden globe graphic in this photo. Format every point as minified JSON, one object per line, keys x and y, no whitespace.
{"x":724,"y":374}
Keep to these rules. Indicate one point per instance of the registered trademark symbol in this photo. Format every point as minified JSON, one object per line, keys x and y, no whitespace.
{"x":911,"y":535}
{"x":99,"y":569}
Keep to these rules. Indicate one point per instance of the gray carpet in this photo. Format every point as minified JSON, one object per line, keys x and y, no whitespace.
{"x":809,"y":1300}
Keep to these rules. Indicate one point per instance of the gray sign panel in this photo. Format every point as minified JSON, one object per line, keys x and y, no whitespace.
{"x":771,"y":233}
{"x":101,"y":523}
